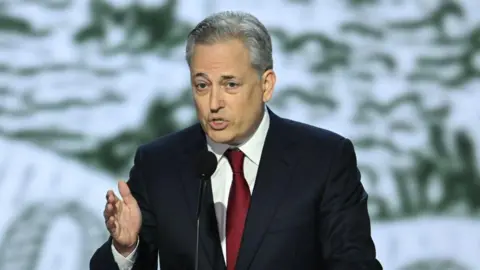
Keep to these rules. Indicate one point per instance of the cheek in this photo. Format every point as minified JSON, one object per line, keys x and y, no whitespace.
{"x":245,"y":110}
{"x":201,"y":106}
{"x":253,"y":101}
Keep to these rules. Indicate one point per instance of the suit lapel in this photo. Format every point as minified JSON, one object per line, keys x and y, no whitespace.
{"x":270,"y":186}
{"x":209,"y":236}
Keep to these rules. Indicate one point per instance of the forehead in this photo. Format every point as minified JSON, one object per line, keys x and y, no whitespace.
{"x":229,"y":56}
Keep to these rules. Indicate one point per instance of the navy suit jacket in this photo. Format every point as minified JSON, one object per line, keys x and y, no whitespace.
{"x":308,"y":208}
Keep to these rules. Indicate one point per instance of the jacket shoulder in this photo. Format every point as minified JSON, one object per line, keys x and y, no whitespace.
{"x":309,"y":134}
{"x":172,"y":142}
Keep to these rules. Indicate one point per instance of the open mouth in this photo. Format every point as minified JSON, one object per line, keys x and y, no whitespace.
{"x":218,"y":124}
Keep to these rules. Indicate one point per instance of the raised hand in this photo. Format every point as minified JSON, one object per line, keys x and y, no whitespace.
{"x":123,"y":219}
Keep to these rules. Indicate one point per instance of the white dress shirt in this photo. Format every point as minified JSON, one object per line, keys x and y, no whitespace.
{"x":221,"y":181}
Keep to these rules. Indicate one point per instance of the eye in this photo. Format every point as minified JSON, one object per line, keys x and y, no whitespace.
{"x":201,"y":86}
{"x":232,"y":85}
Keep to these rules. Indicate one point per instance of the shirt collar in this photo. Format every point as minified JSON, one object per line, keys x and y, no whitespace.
{"x":252,"y":148}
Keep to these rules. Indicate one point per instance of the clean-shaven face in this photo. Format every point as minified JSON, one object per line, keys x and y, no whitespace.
{"x":229,"y":94}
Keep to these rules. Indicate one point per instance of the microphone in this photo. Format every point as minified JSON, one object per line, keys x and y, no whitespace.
{"x":206,"y":164}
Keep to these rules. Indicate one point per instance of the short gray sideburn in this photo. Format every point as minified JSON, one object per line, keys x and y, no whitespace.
{"x":228,"y":25}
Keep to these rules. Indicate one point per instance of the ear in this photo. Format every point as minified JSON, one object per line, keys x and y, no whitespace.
{"x":268,"y":84}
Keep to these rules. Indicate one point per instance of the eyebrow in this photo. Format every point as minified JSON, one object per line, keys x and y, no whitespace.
{"x":224,"y":77}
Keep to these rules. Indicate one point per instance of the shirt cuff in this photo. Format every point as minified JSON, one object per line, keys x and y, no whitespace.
{"x":125,"y":263}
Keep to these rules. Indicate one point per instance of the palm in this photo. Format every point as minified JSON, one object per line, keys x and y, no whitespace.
{"x":128,"y":222}
{"x":123,"y":217}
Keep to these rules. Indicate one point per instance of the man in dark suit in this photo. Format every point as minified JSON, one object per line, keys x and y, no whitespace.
{"x":285,"y":195}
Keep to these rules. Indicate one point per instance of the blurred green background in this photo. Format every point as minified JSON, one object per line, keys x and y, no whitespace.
{"x":84,"y":82}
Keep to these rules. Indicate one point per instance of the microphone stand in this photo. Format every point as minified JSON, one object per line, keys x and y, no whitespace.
{"x":203,"y":185}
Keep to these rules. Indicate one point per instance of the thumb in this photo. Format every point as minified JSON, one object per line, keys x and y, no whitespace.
{"x":125,"y":192}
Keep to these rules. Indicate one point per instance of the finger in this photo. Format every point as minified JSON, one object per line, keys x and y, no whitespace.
{"x":105,"y":213}
{"x":111,"y":224}
{"x":111,"y":197}
{"x":125,"y":192}
{"x":109,"y":211}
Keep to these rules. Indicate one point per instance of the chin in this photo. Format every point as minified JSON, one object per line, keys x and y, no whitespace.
{"x":222,"y":136}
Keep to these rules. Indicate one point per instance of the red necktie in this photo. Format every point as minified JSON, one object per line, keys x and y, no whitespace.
{"x":238,"y":203}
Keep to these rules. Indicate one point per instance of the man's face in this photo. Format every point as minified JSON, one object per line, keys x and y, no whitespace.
{"x":229,"y":93}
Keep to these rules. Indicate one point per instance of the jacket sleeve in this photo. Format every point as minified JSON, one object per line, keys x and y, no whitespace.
{"x":345,"y":234}
{"x":147,"y":252}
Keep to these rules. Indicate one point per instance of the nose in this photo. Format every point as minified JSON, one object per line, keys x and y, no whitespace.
{"x":216,"y":99}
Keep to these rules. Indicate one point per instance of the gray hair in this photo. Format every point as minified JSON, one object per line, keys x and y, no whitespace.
{"x":234,"y":25}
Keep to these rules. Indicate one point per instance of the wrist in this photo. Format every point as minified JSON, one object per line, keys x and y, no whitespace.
{"x":125,"y":250}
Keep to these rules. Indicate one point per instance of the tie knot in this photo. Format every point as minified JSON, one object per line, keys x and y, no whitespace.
{"x":235,"y":158}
